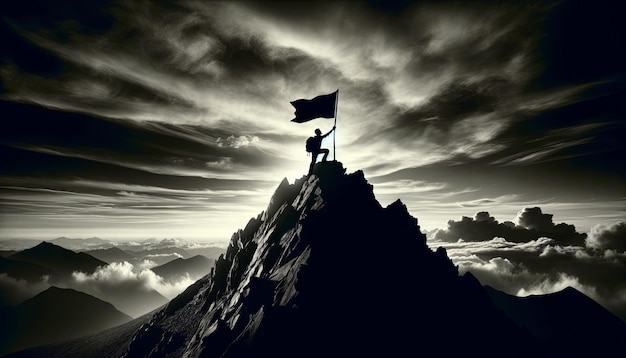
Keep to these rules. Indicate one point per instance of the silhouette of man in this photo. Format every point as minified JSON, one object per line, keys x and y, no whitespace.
{"x":317,"y":148}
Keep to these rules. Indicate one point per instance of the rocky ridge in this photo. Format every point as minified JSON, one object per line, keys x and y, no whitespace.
{"x":327,"y":271}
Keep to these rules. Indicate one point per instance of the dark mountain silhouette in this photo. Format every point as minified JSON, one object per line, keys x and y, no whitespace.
{"x":565,"y":316}
{"x":57,"y":259}
{"x":196,"y":267}
{"x":160,"y":255}
{"x":209,"y":252}
{"x":77,"y":244}
{"x":54,"y":315}
{"x":164,"y":251}
{"x":23,"y":270}
{"x":112,"y":254}
{"x":298,"y":281}
{"x":130,"y":298}
{"x":110,"y":343}
{"x":18,"y":244}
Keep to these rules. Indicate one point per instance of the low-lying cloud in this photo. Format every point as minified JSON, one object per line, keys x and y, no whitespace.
{"x":522,"y":259}
{"x":120,"y":277}
{"x":13,"y":291}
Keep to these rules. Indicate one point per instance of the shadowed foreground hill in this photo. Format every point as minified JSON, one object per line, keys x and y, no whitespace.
{"x":54,"y":315}
{"x":110,"y":343}
{"x":298,"y":281}
{"x":565,"y":316}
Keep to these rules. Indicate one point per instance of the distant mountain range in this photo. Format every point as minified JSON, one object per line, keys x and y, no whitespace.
{"x":196,"y":267}
{"x":81,"y":244}
{"x":54,"y":315}
{"x":167,"y":248}
{"x":18,"y":244}
{"x":59,"y":261}
{"x":57,"y":264}
{"x":112,"y":254}
{"x":131,"y":299}
{"x":23,"y":270}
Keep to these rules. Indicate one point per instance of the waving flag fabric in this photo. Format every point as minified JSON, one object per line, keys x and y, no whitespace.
{"x":319,"y":107}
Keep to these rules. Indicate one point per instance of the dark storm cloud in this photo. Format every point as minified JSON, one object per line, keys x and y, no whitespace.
{"x":157,"y":148}
{"x":25,"y":55}
{"x":522,"y":125}
{"x":60,"y":20}
{"x":531,"y":225}
{"x":40,"y":68}
{"x":67,"y":17}
{"x":194,"y":90}
{"x":186,"y":66}
{"x":582,"y":134}
{"x":77,"y":168}
{"x":457,"y":100}
{"x":579,"y":43}
{"x":471,"y":64}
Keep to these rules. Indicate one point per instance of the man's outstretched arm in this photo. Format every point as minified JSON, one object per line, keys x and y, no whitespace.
{"x":329,"y":132}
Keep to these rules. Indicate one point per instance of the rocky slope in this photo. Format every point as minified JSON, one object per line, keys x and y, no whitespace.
{"x":298,"y":281}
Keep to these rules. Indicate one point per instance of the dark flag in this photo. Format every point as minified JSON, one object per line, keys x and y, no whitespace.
{"x":321,"y":106}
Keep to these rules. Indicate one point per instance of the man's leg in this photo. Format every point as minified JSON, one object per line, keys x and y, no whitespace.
{"x":325,"y":151}
{"x":313,"y":160}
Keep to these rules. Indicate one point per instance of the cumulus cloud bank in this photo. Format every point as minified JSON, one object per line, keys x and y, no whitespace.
{"x":120,"y":277}
{"x":522,"y":259}
{"x":532,"y":224}
{"x":608,"y":236}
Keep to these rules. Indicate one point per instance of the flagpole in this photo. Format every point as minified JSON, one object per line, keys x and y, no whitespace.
{"x":335,"y":131}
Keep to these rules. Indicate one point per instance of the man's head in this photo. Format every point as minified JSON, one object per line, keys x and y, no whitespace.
{"x":318,"y":131}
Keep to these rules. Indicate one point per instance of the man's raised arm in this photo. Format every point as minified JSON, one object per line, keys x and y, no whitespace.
{"x":329,"y":132}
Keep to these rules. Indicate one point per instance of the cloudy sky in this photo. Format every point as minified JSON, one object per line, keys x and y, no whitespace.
{"x":138,"y":119}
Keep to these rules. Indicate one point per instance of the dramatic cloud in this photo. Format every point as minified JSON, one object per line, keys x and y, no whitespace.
{"x":195,"y":96}
{"x":236,"y":142}
{"x":608,"y":237}
{"x":539,"y":266}
{"x":119,"y":277}
{"x":532,"y":224}
{"x":551,"y":285}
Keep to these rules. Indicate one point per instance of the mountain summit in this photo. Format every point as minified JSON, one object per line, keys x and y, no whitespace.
{"x":326,"y":271}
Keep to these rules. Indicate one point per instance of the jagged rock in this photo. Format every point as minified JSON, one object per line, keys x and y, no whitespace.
{"x":326,"y":271}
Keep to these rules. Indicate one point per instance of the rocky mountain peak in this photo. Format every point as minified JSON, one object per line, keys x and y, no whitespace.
{"x":325,"y":270}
